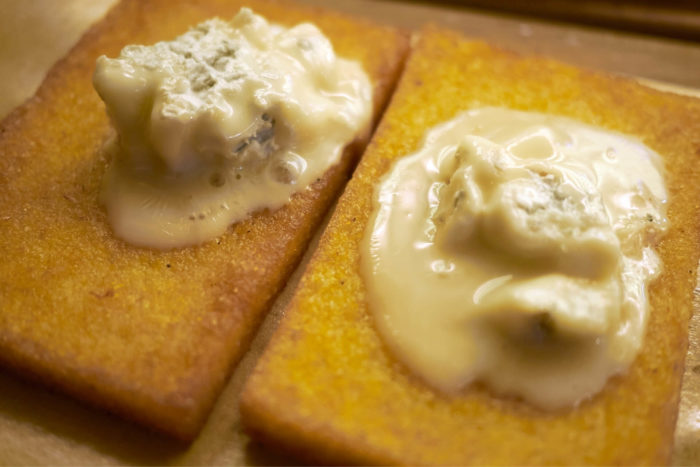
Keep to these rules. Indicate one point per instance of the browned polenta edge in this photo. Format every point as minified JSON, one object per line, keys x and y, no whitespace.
{"x":327,"y":389}
{"x":112,"y":324}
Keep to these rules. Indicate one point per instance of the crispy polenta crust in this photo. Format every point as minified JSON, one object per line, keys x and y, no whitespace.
{"x":150,"y":335}
{"x":327,"y":389}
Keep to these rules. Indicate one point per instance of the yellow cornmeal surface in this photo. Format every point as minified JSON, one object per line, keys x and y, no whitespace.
{"x":151,"y":335}
{"x":327,"y":389}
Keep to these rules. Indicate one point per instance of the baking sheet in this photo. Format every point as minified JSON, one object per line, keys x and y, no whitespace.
{"x":38,"y":426}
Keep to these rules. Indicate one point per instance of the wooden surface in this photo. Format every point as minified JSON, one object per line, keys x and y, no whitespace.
{"x":40,"y":427}
{"x":670,"y":18}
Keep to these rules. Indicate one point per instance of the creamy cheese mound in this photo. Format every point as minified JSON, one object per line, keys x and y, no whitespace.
{"x":514,"y":249}
{"x":227,"y":119}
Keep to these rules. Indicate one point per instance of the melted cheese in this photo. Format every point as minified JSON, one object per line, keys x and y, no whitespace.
{"x":227,"y":119}
{"x":515,"y":248}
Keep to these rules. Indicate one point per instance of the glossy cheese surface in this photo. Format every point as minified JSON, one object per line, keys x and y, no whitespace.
{"x":230,"y":118}
{"x":514,"y":249}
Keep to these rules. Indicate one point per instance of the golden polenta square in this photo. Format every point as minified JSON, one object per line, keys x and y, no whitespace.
{"x":327,"y":388}
{"x":151,"y":335}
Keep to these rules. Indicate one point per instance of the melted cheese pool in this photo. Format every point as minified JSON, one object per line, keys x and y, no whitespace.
{"x":229,"y":118}
{"x":515,"y":249}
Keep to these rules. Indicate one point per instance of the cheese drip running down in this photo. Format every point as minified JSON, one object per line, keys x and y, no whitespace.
{"x":227,"y":119}
{"x":515,"y":249}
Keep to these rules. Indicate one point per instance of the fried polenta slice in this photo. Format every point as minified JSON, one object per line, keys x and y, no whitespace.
{"x":327,"y":389}
{"x":151,"y":335}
